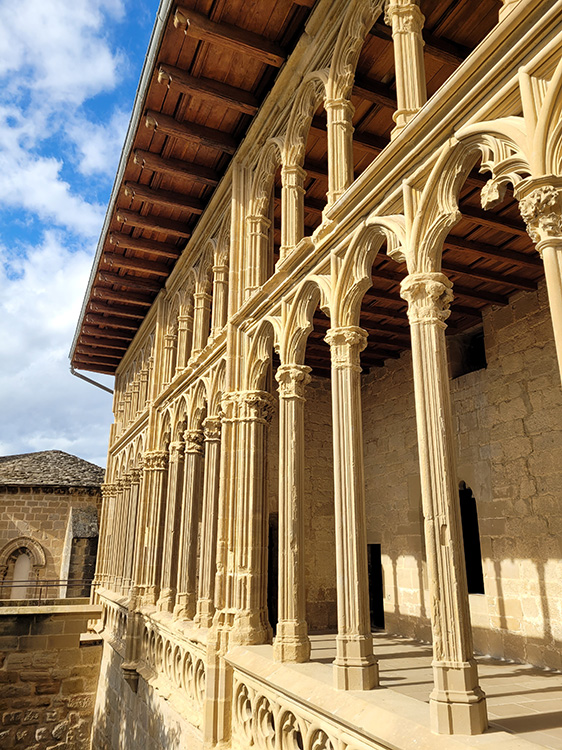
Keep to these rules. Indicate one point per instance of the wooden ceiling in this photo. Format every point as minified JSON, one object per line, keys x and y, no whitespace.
{"x":210,"y":77}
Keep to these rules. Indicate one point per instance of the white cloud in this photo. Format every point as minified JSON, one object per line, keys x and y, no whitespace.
{"x":44,"y":406}
{"x":99,"y":144}
{"x":56,"y":50}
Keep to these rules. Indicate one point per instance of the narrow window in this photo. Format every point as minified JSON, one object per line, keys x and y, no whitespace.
{"x":471,"y":539}
{"x":467,"y":352}
{"x":20,"y":580}
{"x":376,"y":593}
{"x":272,"y":570}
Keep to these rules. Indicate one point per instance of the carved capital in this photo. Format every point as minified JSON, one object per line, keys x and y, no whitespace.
{"x":340,"y":111}
{"x":108,"y":490}
{"x":136,"y":475}
{"x":429,"y":296}
{"x":176,"y":450}
{"x":541,"y":210}
{"x":292,"y":380}
{"x":403,"y":17}
{"x":193,"y":441}
{"x":170,"y":340}
{"x":155,"y":460}
{"x":257,"y":406}
{"x":346,"y":344}
{"x":212,"y":429}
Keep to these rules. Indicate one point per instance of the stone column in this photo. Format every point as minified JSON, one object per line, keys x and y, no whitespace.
{"x":156,"y":478}
{"x":249,"y":597}
{"x":131,"y":529}
{"x":355,"y":666}
{"x":291,"y":642}
{"x":102,"y":573}
{"x":116,"y":539}
{"x":139,"y":538}
{"x":259,"y":242}
{"x":406,"y":20}
{"x":340,"y":147}
{"x":187,"y":596}
{"x":143,"y":388}
{"x":170,"y":340}
{"x":457,"y":703}
{"x":208,"y":552}
{"x":220,"y":299}
{"x":185,"y":337}
{"x":292,"y":208}
{"x":540,"y":203}
{"x":171,"y":528}
{"x":201,"y":318}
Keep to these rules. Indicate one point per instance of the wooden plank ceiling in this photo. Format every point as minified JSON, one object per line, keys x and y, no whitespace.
{"x":217,"y":62}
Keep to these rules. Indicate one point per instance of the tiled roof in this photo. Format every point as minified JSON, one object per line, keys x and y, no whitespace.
{"x":52,"y":468}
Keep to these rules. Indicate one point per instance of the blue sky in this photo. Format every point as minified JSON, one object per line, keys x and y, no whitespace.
{"x":68,"y":76}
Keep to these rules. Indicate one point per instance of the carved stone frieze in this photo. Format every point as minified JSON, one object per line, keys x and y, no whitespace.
{"x":429,"y":296}
{"x":156,"y":460}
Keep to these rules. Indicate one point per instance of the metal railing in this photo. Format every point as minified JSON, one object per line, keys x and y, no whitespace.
{"x":44,"y":589}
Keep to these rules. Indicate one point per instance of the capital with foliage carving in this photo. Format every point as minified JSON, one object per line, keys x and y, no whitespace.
{"x":193,"y":441}
{"x":541,"y":210}
{"x":256,"y":406}
{"x":429,"y":296}
{"x":176,"y":450}
{"x":136,"y":475}
{"x":155,"y":460}
{"x":346,"y":344}
{"x":108,"y":490}
{"x":403,"y":16}
{"x":293,"y":380}
{"x":212,"y":429}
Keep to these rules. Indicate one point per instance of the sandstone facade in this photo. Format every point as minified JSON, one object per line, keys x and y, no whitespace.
{"x":308,"y":400}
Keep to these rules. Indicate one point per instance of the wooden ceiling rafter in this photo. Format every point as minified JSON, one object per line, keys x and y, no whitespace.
{"x":190,"y":132}
{"x":153,"y":223}
{"x":168,"y":198}
{"x":176,"y":167}
{"x":129,"y":282}
{"x":151,"y":247}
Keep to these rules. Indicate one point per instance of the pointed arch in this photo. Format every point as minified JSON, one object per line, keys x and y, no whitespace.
{"x":298,"y":322}
{"x":271,"y":157}
{"x":197,"y":405}
{"x":263,"y":339}
{"x":354,"y":275}
{"x":311,"y":93}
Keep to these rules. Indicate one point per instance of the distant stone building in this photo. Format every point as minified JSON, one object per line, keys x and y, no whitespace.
{"x":48,"y":524}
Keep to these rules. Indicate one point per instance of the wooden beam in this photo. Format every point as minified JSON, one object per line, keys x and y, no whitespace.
{"x":495,"y":221}
{"x":491,"y":251}
{"x":176,"y":167}
{"x":166,"y":198}
{"x":129,"y":298}
{"x":518,"y":282}
{"x":94,"y":331}
{"x":187,"y":131}
{"x":105,"y":343}
{"x":118,"y":239}
{"x":221,"y":93}
{"x":98,"y":355}
{"x":130,"y":282}
{"x":315,"y":169}
{"x":136,"y":264}
{"x":231,"y":37}
{"x":102,"y":321}
{"x":436,"y":47}
{"x":89,"y":366}
{"x":492,"y":298}
{"x":374,"y":91}
{"x":125,"y":311}
{"x":154,"y":223}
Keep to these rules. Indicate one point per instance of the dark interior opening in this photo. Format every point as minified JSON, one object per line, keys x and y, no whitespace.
{"x":272,"y":571}
{"x":376,"y":591}
{"x":471,"y":539}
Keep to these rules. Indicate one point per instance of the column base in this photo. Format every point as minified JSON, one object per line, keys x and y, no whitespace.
{"x":291,"y":643}
{"x":166,"y":600}
{"x":250,"y":629}
{"x":205,"y":612}
{"x":457,"y":704}
{"x":355,"y":666}
{"x":150,"y":596}
{"x":185,"y":607}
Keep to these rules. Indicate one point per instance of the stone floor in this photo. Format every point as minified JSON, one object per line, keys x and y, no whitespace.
{"x":523,"y":700}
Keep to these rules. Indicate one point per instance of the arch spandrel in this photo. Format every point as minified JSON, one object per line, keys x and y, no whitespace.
{"x":353,"y":276}
{"x":298,"y":315}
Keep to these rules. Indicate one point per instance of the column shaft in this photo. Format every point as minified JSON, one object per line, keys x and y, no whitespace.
{"x":355,"y":667}
{"x":201,"y":321}
{"x":187,"y":571}
{"x":406,"y":20}
{"x":208,"y":553}
{"x":220,"y":299}
{"x":291,"y":642}
{"x":185,"y":337}
{"x":457,"y":703}
{"x":156,"y":468}
{"x":292,"y":208}
{"x":171,"y":527}
{"x":340,"y":147}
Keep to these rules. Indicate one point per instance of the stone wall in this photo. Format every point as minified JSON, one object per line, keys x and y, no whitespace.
{"x":44,"y":514}
{"x":129,"y":721}
{"x":508,"y":419}
{"x":48,"y":679}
